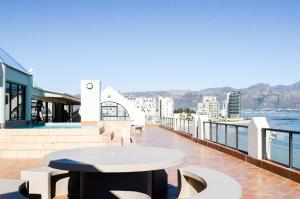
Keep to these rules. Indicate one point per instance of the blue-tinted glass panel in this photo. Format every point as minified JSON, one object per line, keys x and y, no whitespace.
{"x":231,"y":136}
{"x":243,"y":138}
{"x":277,"y":146}
{"x":221,"y":134}
{"x":296,"y":151}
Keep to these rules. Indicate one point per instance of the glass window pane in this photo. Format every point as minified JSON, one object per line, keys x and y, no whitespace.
{"x":296,"y":151}
{"x":109,"y":111}
{"x":113,"y":111}
{"x":214,"y":132}
{"x":243,"y":138}
{"x":50,"y":108}
{"x":231,"y":136}
{"x":21,"y":103}
{"x":221,"y":134}
{"x":14,"y":102}
{"x":279,"y":146}
{"x":7,"y":101}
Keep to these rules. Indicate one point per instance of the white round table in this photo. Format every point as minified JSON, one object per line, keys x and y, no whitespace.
{"x":115,"y":172}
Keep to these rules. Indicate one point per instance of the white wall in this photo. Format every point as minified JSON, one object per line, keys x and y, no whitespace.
{"x":2,"y":95}
{"x":90,"y":100}
{"x":201,"y":132}
{"x":137,"y":117}
{"x":255,"y":137}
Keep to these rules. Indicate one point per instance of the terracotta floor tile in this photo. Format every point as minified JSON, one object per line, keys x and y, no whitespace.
{"x":256,"y":183}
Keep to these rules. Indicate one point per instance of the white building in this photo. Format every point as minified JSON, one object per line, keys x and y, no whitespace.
{"x":166,"y":107}
{"x":21,"y":103}
{"x":209,"y":106}
{"x":154,"y":106}
{"x":106,"y":105}
{"x":149,"y":105}
{"x":224,"y":108}
{"x":115,"y":106}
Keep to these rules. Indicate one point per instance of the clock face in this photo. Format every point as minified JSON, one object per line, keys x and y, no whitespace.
{"x":89,"y":86}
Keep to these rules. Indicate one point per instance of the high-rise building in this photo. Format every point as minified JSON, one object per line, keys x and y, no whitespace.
{"x":209,"y":106}
{"x":232,"y":104}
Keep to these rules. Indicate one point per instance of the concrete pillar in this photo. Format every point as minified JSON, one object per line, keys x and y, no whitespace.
{"x":28,"y":99}
{"x":195,"y":127}
{"x":2,"y":94}
{"x":255,"y":137}
{"x":201,"y":132}
{"x":176,"y":122}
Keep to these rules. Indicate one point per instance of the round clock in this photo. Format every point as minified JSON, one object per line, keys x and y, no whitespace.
{"x":89,"y":86}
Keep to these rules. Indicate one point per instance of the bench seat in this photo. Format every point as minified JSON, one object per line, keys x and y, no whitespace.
{"x":13,"y":189}
{"x":198,"y":182}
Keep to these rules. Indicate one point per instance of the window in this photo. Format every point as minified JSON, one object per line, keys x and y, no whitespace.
{"x":113,"y":111}
{"x":14,"y":102}
{"x":7,"y":102}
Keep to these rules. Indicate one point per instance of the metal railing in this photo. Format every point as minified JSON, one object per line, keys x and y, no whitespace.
{"x":281,"y":146}
{"x":167,"y":121}
{"x":152,"y":120}
{"x":184,"y":125}
{"x":230,"y":135}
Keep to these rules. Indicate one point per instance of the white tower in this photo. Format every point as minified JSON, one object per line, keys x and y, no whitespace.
{"x":90,"y":102}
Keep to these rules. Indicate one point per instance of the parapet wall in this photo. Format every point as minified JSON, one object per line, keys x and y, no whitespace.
{"x":35,"y":143}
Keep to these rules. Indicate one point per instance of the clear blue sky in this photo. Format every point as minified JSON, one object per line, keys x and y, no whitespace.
{"x":137,"y":45}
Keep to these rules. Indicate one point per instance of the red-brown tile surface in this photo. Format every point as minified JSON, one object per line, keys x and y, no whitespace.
{"x":255,"y":182}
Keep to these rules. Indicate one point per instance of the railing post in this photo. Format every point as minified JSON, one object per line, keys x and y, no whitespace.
{"x":255,"y":137}
{"x":237,"y":137}
{"x":210,"y":131}
{"x":204,"y":130}
{"x":264,"y":144}
{"x":180,"y":124}
{"x":290,"y":150}
{"x":217,"y":133}
{"x":226,"y":134}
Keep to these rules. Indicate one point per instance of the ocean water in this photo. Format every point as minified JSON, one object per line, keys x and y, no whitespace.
{"x":280,"y":140}
{"x":279,"y":120}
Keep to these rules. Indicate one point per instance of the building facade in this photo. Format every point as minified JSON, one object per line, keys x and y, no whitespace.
{"x":233,"y":104}
{"x":21,"y":104}
{"x":154,"y":106}
{"x":166,"y":107}
{"x":149,"y":105}
{"x":209,"y":106}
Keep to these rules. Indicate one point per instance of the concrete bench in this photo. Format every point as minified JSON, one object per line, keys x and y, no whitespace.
{"x":198,"y":182}
{"x":46,"y":182}
{"x":13,"y":189}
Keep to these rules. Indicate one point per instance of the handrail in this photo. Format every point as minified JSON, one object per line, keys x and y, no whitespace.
{"x":236,"y":147}
{"x":229,"y":124}
{"x":290,"y":145}
{"x":282,"y":130}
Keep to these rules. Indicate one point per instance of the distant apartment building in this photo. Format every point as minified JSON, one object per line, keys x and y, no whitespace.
{"x":231,"y":106}
{"x":149,"y":105}
{"x":154,"y":106}
{"x":209,"y":106}
{"x":166,"y":107}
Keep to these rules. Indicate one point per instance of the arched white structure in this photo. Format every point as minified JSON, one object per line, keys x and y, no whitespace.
{"x":137,"y":117}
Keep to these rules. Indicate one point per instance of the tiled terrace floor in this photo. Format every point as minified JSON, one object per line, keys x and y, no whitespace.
{"x":255,"y":182}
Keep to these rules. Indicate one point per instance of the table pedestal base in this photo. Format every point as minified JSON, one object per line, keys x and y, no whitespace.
{"x":136,"y":185}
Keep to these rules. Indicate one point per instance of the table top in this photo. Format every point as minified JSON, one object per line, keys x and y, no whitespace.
{"x":115,"y":159}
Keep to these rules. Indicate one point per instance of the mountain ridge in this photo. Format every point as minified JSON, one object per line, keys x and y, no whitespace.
{"x":259,"y":96}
